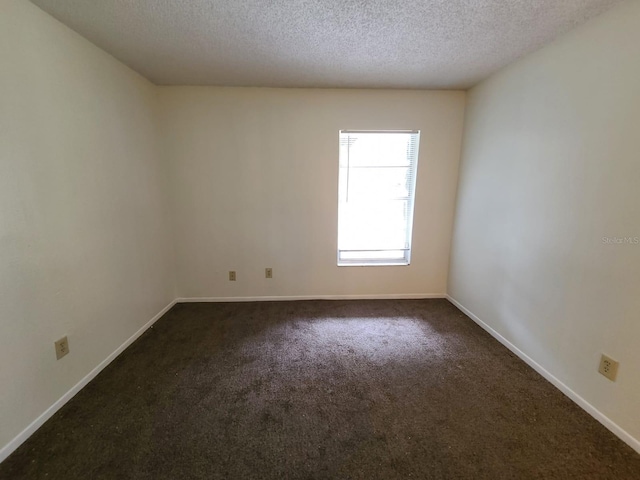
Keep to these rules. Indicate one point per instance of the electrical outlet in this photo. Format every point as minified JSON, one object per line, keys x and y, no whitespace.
{"x":232,"y":275}
{"x":62,"y":347}
{"x":268,"y":273}
{"x":608,"y":367}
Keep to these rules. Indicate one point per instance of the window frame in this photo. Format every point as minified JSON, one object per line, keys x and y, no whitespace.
{"x":405,"y":260}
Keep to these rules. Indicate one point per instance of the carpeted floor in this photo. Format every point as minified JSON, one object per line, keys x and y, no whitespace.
{"x":320,"y":389}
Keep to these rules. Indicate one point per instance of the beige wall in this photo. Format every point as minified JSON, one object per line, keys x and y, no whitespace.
{"x":83,"y":236}
{"x":551,"y":165}
{"x":254,"y":175}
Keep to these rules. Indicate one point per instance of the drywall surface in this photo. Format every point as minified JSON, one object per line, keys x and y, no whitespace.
{"x":255,"y":185}
{"x":83,"y":227}
{"x":546,"y":247}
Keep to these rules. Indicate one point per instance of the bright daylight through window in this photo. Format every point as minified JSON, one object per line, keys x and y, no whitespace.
{"x":377,"y":184}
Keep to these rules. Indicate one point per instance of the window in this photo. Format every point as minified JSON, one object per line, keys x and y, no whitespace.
{"x":376,"y":190}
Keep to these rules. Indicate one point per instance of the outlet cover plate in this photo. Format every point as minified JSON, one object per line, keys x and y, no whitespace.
{"x":62,"y":347}
{"x":608,"y":367}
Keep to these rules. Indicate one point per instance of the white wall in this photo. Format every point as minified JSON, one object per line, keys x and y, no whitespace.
{"x":255,"y":173}
{"x":551,"y":165}
{"x":83,"y":237}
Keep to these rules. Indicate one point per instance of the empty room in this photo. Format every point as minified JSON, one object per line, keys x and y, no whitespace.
{"x":320,"y":239}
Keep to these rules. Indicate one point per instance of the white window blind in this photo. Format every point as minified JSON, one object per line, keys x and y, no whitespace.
{"x":377,"y":183}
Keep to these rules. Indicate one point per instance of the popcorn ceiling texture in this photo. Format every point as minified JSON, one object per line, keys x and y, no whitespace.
{"x":321,"y":43}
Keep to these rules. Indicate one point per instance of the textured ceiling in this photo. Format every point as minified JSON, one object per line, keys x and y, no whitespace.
{"x":321,"y":43}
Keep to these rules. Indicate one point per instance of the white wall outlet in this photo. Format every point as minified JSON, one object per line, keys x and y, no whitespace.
{"x":62,"y":347}
{"x":608,"y":367}
{"x":268,"y":273}
{"x":232,"y":275}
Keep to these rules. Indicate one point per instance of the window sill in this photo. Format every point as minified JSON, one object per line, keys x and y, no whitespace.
{"x":374,"y":264}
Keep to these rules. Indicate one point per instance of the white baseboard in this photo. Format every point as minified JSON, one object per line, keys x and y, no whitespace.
{"x":616,"y":429}
{"x":392,"y":296}
{"x":10,"y":447}
{"x":19,"y":439}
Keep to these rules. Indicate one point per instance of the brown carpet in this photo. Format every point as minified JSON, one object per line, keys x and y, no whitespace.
{"x":320,"y":389}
